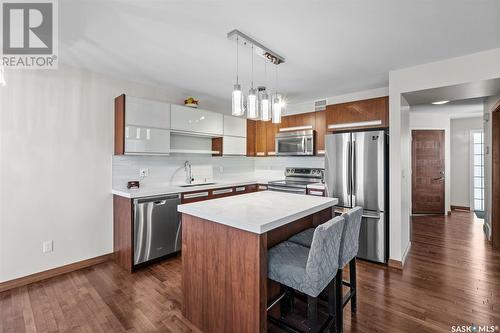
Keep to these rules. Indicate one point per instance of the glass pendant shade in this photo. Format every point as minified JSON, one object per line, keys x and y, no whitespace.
{"x":276,"y":110}
{"x":252,"y":105}
{"x":265,"y":107}
{"x":237,"y":105}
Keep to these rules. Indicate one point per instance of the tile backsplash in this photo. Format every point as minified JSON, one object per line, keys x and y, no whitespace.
{"x":169,"y":170}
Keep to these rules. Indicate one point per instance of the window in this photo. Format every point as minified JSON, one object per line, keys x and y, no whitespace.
{"x":477,"y":146}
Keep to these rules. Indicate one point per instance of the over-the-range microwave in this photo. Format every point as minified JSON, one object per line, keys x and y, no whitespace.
{"x":295,"y":143}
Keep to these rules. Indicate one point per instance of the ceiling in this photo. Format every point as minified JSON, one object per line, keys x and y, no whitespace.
{"x":466,"y":108}
{"x":331,"y":47}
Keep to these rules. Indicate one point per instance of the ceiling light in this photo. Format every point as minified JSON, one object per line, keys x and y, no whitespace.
{"x":237,"y":100}
{"x":265,"y":106}
{"x":260,"y":105}
{"x":440,"y":102}
{"x":252,"y":102}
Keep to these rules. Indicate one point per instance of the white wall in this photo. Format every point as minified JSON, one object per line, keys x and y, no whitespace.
{"x":460,"y":130}
{"x":490,"y":105}
{"x":471,"y":68}
{"x":56,"y":143}
{"x":421,"y":121}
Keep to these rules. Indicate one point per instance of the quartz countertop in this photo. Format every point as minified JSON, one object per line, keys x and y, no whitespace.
{"x":149,"y":191}
{"x":258,"y":212}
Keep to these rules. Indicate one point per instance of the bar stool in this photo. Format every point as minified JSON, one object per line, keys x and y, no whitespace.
{"x":309,"y":270}
{"x":348,"y":250}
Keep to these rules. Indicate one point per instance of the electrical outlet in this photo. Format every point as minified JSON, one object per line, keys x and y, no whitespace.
{"x":143,"y":173}
{"x":48,"y":246}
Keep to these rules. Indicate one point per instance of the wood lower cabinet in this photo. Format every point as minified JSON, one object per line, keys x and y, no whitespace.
{"x":123,"y":218}
{"x":365,"y":114}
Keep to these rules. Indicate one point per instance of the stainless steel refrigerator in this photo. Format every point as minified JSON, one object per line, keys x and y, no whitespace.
{"x":356,"y":174}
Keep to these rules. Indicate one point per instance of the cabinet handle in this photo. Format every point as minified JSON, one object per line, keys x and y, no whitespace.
{"x":240,"y":189}
{"x":195,"y":195}
{"x":262,"y":187}
{"x":356,"y":124}
{"x":227,"y":190}
{"x":318,"y":193}
{"x":261,"y":153}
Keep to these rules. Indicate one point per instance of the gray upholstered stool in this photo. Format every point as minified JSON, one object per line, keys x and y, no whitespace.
{"x":309,"y":270}
{"x":348,"y":251}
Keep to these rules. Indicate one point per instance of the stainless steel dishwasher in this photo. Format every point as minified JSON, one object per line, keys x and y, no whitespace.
{"x":157,"y":227}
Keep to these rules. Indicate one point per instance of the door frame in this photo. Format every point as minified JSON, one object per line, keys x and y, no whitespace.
{"x":412,"y":159}
{"x":495,"y":178}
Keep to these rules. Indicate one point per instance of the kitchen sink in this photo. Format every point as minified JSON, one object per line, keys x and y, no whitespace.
{"x":194,"y":185}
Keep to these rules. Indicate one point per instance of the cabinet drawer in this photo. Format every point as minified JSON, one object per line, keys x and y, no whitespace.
{"x":222,"y":192}
{"x":195,"y":196}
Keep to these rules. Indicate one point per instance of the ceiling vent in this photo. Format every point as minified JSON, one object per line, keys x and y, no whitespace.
{"x":320,"y":105}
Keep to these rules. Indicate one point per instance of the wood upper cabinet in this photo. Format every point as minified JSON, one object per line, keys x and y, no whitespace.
{"x":368,"y":113}
{"x":320,"y":127}
{"x":251,"y":127}
{"x":260,"y":138}
{"x":271,"y":130}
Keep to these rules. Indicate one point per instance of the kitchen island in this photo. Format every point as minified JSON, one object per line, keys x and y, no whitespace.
{"x":224,"y":255}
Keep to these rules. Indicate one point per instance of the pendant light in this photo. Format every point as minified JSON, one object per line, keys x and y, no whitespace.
{"x":237,"y":100}
{"x":252,"y":103}
{"x":277,"y":104}
{"x":265,"y":103}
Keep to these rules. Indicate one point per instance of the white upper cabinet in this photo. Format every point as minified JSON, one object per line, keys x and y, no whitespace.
{"x":235,"y":126}
{"x":196,"y":121}
{"x":234,"y":145}
{"x":146,"y":113}
{"x":146,"y":141}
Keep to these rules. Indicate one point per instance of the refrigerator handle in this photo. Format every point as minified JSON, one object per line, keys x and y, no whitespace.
{"x":349,"y":170}
{"x":353,"y":170}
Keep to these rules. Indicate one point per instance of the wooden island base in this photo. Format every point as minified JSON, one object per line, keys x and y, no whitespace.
{"x":224,"y":272}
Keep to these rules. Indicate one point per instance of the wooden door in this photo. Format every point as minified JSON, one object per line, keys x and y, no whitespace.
{"x":495,"y":182}
{"x":428,"y":175}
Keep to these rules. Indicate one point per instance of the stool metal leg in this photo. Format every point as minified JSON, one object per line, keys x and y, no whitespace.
{"x":352,"y":282}
{"x":339,"y":302}
{"x":312,"y":314}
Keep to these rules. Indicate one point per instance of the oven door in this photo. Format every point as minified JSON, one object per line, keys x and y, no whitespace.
{"x":297,"y":145}
{"x":288,"y":189}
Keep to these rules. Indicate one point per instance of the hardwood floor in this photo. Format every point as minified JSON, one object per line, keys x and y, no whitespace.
{"x":452,"y":277}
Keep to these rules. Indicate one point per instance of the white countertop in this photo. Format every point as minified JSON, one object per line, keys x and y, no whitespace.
{"x":171,"y":189}
{"x":258,"y":212}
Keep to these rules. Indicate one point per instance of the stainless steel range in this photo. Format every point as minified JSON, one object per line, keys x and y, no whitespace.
{"x":297,"y":179}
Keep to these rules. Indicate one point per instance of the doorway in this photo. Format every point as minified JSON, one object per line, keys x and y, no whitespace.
{"x":428,"y":176}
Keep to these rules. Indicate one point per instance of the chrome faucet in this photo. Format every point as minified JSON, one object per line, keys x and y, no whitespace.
{"x":189,"y":173}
